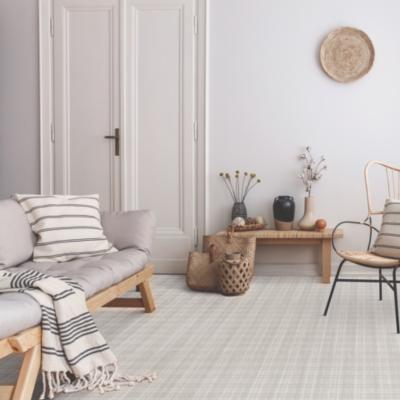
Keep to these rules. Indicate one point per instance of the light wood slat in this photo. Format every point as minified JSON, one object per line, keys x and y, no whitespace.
{"x":5,"y":348}
{"x":6,"y":392}
{"x":272,"y":234}
{"x":125,"y":302}
{"x":26,"y":339}
{"x":28,"y":374}
{"x":147,"y":297}
{"x":326,"y":256}
{"x":289,"y":241}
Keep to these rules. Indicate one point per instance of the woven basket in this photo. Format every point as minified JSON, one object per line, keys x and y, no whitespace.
{"x":234,"y":276}
{"x":229,"y":243}
{"x":201,"y":273}
{"x":347,"y":54}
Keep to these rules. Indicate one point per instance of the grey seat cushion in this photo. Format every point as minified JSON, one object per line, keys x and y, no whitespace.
{"x":20,"y":311}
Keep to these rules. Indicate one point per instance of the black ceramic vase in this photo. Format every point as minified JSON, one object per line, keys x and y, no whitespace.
{"x":239,"y":210}
{"x":284,"y":213}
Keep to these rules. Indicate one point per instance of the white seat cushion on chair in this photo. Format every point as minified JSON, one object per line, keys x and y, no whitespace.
{"x":387,"y":243}
{"x":369,"y":259}
{"x":67,"y":227}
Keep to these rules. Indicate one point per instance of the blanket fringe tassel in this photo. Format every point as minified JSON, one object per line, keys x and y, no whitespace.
{"x":104,"y":379}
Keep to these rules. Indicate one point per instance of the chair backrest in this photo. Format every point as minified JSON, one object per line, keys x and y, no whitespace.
{"x":392,"y":184}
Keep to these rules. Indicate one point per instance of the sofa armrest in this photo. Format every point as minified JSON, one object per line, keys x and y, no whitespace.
{"x":130,"y":229}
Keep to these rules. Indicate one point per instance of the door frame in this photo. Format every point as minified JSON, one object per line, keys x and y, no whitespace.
{"x":46,"y":93}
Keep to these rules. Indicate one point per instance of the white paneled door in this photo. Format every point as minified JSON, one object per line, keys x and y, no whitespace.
{"x":86,"y":98}
{"x":126,"y":90}
{"x":162,"y":117}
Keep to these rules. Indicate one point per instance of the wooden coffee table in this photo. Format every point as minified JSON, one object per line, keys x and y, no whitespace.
{"x":321,"y":239}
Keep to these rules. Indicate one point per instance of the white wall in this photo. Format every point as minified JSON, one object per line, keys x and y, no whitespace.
{"x":19,"y":97}
{"x":268,"y":98}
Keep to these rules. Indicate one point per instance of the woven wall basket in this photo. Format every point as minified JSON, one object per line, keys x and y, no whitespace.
{"x":347,"y":54}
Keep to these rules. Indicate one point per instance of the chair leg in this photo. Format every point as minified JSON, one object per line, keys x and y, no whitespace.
{"x":380,"y":284}
{"x":396,"y":305}
{"x":333,"y":287}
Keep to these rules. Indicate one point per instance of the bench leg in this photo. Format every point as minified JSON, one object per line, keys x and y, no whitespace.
{"x":147,"y":296}
{"x":28,"y":374}
{"x":326,"y":255}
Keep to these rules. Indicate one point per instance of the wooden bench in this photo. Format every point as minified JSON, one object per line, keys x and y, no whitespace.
{"x":28,"y":342}
{"x":321,"y":239}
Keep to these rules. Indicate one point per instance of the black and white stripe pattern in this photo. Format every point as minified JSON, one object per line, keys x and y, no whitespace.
{"x":387,"y":243}
{"x":71,"y":342}
{"x":67,"y":227}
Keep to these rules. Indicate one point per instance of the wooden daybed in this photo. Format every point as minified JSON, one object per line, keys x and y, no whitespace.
{"x":28,"y":341}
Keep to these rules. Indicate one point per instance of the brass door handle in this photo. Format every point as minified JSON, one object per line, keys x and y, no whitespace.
{"x":116,"y":137}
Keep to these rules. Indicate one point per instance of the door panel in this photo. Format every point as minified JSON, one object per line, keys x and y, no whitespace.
{"x":86,"y":82}
{"x":160,"y":111}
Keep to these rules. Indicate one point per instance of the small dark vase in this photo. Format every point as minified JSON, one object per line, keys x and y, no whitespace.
{"x":284,"y":213}
{"x":239,"y":210}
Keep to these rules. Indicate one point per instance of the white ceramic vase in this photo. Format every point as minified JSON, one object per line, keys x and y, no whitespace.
{"x":307,"y":222}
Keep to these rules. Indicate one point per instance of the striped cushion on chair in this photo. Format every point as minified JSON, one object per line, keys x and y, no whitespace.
{"x":67,"y":227}
{"x":387,"y":243}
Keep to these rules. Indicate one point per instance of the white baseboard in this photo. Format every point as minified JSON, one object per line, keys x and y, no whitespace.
{"x":173,"y":266}
{"x":177,"y":267}
{"x":307,"y":269}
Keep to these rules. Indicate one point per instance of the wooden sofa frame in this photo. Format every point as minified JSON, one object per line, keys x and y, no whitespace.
{"x":28,"y":341}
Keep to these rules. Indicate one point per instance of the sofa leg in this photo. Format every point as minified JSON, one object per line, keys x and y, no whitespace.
{"x":147,"y":296}
{"x":125,"y":302}
{"x":28,"y":374}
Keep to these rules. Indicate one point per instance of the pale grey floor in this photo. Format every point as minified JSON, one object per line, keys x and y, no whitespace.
{"x":271,"y":343}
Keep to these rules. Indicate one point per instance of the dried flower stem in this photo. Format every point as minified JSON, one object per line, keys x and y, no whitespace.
{"x":312,"y":171}
{"x":232,"y":188}
{"x":243,"y":182}
{"x":248,"y":184}
{"x":229,"y":190}
{"x":239,"y":189}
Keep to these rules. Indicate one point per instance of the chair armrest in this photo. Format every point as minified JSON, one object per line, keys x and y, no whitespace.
{"x":367,"y":222}
{"x":130,"y":229}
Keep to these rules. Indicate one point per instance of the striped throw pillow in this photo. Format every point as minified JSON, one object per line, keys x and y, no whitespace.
{"x":67,"y":227}
{"x":387,"y":243}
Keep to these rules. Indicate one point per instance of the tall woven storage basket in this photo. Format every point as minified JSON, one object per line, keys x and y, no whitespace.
{"x":234,"y":277}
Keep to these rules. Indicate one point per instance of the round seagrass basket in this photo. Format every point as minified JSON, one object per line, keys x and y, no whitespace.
{"x":234,"y":276}
{"x":347,"y":54}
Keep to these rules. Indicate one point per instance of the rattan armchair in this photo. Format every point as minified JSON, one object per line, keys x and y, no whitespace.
{"x":367,"y":258}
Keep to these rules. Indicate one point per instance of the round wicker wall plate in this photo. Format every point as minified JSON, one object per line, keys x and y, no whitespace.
{"x":347,"y":54}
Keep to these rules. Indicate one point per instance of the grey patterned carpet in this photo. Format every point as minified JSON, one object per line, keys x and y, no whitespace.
{"x":272,"y":343}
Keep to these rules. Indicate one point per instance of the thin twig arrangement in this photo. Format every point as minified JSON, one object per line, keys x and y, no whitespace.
{"x":239,"y":186}
{"x":312,"y":170}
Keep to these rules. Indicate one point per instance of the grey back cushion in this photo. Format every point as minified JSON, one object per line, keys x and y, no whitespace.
{"x":387,"y":243}
{"x":16,"y":236}
{"x":130,"y":229}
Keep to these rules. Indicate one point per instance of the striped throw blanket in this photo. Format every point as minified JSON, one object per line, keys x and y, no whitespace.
{"x":75,"y":355}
